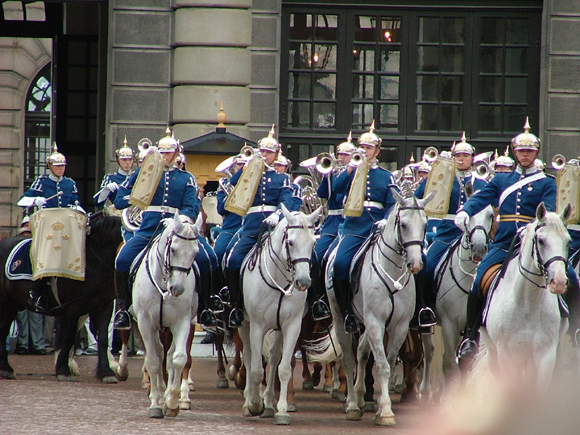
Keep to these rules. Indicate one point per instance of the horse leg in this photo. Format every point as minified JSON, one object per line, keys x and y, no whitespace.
{"x":425,"y":390}
{"x":328,"y":377}
{"x":221,"y":371}
{"x":101,"y":321}
{"x":123,"y":370}
{"x":184,"y":400}
{"x":166,"y":338}
{"x":291,"y":333}
{"x":316,"y":372}
{"x":253,"y":340}
{"x":307,"y":377}
{"x":65,"y":365}
{"x":290,"y":397}
{"x":363,"y":353}
{"x":9,"y":316}
{"x":153,"y":360}
{"x":176,"y":360}
{"x":451,"y":340}
{"x":273,"y":361}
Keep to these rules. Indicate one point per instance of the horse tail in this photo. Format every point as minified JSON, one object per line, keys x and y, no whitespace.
{"x":324,"y":349}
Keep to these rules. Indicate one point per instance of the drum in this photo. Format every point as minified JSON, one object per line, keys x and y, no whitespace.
{"x":58,"y":243}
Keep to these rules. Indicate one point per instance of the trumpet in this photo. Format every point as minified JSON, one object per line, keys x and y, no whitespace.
{"x":430,"y":154}
{"x":248,"y":153}
{"x":558,"y":162}
{"x":325,"y":163}
{"x":357,"y":158}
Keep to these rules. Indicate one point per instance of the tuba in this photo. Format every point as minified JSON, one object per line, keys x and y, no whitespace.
{"x":482,"y":170}
{"x":227,"y":168}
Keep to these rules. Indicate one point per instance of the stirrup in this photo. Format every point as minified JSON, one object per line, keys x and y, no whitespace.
{"x":467,"y":350}
{"x":236,"y":318}
{"x":320,"y":310}
{"x":350,"y":324}
{"x":216,"y":304}
{"x":40,"y":304}
{"x":208,"y":318}
{"x":224,"y":295}
{"x":426,"y":318}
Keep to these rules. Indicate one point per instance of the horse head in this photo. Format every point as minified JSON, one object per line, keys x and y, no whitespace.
{"x":179,"y":246}
{"x":477,"y":234}
{"x":298,"y":239}
{"x":410,"y":224}
{"x":550,"y":242}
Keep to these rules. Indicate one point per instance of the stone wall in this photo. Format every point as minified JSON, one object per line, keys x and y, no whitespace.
{"x":21,"y":59}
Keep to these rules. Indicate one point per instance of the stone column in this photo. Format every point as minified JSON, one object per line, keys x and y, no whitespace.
{"x":211,"y":64}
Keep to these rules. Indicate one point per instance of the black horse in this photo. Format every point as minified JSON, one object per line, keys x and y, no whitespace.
{"x":93,"y":296}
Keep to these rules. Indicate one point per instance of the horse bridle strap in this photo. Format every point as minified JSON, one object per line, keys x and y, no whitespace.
{"x":542,"y":265}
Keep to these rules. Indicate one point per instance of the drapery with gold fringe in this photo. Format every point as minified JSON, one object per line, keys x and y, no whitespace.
{"x":241,"y":198}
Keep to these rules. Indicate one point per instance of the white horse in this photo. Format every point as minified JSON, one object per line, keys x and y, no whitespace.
{"x":163,"y":297}
{"x":523,"y":323}
{"x":276,"y":274}
{"x":454,"y":276}
{"x":384,"y":301}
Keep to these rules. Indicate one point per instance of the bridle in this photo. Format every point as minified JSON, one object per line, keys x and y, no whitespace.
{"x":165,"y":261}
{"x":540,"y":263}
{"x":468,"y":235}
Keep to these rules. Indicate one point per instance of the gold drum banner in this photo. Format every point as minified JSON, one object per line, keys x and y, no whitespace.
{"x":440,"y":181}
{"x":147,"y":180}
{"x":568,"y":181}
{"x":354,"y":204}
{"x":241,"y":198}
{"x":58,"y":243}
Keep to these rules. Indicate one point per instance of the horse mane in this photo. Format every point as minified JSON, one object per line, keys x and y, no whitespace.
{"x":105,"y":225}
{"x":553,"y":220}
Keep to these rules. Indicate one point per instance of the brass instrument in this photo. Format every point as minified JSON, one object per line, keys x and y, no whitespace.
{"x":310,"y":199}
{"x":558,"y":162}
{"x":227,"y":168}
{"x":430,"y":154}
{"x":326,"y":163}
{"x":131,"y":218}
{"x":357,"y":158}
{"x":482,"y":170}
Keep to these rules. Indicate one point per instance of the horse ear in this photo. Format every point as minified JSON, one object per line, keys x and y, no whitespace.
{"x":541,"y":212}
{"x":313,"y":217}
{"x":195,"y":229}
{"x":177,"y":222}
{"x":565,"y":215}
{"x":285,"y":211}
{"x":398,"y":197}
{"x":423,"y":202}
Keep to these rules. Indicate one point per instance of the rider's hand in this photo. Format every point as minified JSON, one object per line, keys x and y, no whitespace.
{"x":381,"y":224}
{"x":272,"y":220}
{"x":112,"y":186}
{"x":461,"y":220}
{"x":39,"y":201}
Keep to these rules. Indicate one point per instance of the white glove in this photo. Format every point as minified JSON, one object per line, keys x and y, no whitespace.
{"x":112,"y":186}
{"x":39,"y":201}
{"x":461,"y":220}
{"x":381,"y":224}
{"x":272,"y":220}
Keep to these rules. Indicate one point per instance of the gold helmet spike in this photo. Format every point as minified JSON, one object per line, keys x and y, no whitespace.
{"x":346,"y":147}
{"x":462,"y":147}
{"x":56,"y":158}
{"x":168,"y":144}
{"x":269,"y":143}
{"x":526,"y":140}
{"x":370,"y":138}
{"x":125,"y":152}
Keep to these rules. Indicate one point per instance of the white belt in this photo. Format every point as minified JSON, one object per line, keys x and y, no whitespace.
{"x":162,"y":209}
{"x":374,"y":204}
{"x":335,"y":212}
{"x":450,"y":217}
{"x":573,"y":227}
{"x":261,"y":209}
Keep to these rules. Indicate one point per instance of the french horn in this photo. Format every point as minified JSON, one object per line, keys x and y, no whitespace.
{"x":131,"y":218}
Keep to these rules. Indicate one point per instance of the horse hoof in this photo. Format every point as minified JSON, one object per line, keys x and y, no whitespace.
{"x":268,"y":413}
{"x":191,"y":386}
{"x":339,"y":395}
{"x":5,"y":374}
{"x":254,"y":412}
{"x":292,"y":407}
{"x":232,"y":373}
{"x":109,"y":380}
{"x":385,"y":421}
{"x":223,"y":383}
{"x":369,"y":407}
{"x":246,"y":412}
{"x":353,"y":414}
{"x":156,"y":412}
{"x":171,"y":412}
{"x":185,"y":405}
{"x":281,"y":419}
{"x":122,"y":378}
{"x":327,"y":389}
{"x":64,"y":378}
{"x":308,"y":385}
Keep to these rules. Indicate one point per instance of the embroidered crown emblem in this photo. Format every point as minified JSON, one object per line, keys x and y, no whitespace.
{"x":57,"y":226}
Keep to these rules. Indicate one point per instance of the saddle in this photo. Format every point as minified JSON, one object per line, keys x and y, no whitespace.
{"x":358,"y":260}
{"x":19,"y":266}
{"x":488,"y":278}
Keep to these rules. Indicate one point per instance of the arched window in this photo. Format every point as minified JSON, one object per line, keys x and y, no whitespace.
{"x":37,"y":126}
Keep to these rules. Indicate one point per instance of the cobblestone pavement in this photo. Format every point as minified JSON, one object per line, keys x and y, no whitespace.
{"x":36,"y":403}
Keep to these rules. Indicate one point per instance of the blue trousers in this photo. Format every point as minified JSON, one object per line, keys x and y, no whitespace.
{"x":347,"y":248}
{"x":322,"y":245}
{"x":432,"y":259}
{"x":239,"y":251}
{"x":221,"y":244}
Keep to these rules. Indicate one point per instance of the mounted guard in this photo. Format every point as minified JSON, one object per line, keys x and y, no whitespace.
{"x":58,"y":227}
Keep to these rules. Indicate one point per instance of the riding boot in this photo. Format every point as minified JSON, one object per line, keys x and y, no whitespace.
{"x":317,"y":299}
{"x":469,"y":347}
{"x":205,"y":316}
{"x":425,"y":315}
{"x":122,"y":318}
{"x":343,"y":295}
{"x":217,"y":283}
{"x":236,"y":298}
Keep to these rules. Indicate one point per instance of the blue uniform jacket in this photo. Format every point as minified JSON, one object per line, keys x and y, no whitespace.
{"x":334,"y":202}
{"x":520,"y":204}
{"x":48,"y":185}
{"x":446,"y":229}
{"x":378,"y":189}
{"x":296,"y":197}
{"x":231,"y":222}
{"x":118,"y":177}
{"x":176,"y":189}
{"x":274,"y":189}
